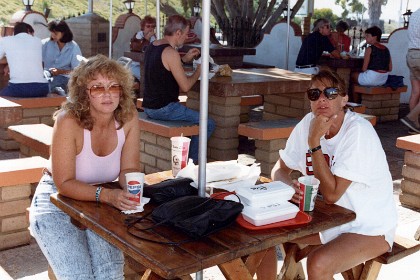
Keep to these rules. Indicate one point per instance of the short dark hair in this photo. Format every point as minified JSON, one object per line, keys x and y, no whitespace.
{"x":342,"y":26}
{"x":375,"y":32}
{"x":329,"y":78}
{"x":22,"y":27}
{"x":61,"y":26}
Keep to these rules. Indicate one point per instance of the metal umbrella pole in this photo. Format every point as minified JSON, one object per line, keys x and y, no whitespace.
{"x":288,"y":35}
{"x":110,"y":29}
{"x":204,"y":89}
{"x":158,"y":19}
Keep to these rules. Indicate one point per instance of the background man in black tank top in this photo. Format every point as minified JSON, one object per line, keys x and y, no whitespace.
{"x":165,"y":77}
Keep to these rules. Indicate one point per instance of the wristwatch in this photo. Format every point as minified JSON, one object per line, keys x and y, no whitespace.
{"x":311,"y":151}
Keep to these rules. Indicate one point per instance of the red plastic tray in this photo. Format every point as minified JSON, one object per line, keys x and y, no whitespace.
{"x":300,"y":219}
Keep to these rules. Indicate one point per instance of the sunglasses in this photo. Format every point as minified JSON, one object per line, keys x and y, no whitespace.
{"x":329,"y":92}
{"x":98,"y":91}
{"x":326,"y":26}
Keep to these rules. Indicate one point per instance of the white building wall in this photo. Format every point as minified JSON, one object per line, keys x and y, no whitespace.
{"x":272,"y":49}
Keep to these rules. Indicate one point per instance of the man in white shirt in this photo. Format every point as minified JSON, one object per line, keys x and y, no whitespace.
{"x":23,"y":53}
{"x":413,"y":62}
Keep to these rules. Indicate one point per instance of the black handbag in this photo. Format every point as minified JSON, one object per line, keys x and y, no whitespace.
{"x":169,"y":189}
{"x":193,"y":215}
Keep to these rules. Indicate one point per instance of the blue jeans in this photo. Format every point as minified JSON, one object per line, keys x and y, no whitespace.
{"x":175,"y":111}
{"x":58,"y":84}
{"x":72,"y":253}
{"x":25,"y":90}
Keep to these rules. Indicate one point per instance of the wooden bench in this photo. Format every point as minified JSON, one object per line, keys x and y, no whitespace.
{"x":383,"y":102}
{"x":26,"y":111}
{"x":410,"y":185}
{"x":356,"y":107}
{"x":34,"y":139}
{"x":270,"y":136}
{"x":292,"y":268}
{"x":17,"y":179}
{"x":155,"y":141}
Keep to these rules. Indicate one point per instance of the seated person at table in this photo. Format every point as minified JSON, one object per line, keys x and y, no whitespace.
{"x":165,"y":77}
{"x":95,"y":139}
{"x":330,"y":143}
{"x":60,"y":55}
{"x":24,"y":58}
{"x":313,"y":46}
{"x":377,"y":62}
{"x":143,"y":38}
{"x":341,"y":41}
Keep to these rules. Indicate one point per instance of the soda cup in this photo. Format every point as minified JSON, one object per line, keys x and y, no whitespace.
{"x":309,"y":186}
{"x":180,"y":147}
{"x":135,"y":182}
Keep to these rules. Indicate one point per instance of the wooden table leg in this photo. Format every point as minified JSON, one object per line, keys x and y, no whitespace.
{"x":235,"y":269}
{"x":253,"y":261}
{"x":291,"y":268}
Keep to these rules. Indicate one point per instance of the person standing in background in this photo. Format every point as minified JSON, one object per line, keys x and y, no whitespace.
{"x":413,"y":62}
{"x":60,"y":55}
{"x":23,"y":54}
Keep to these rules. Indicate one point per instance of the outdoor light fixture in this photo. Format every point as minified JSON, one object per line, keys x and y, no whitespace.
{"x":286,"y":11}
{"x":197,"y":9}
{"x":129,"y":4}
{"x":28,"y":4}
{"x":406,"y":17}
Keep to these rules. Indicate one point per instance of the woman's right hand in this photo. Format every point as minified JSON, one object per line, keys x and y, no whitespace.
{"x":120,"y":199}
{"x":298,"y":195}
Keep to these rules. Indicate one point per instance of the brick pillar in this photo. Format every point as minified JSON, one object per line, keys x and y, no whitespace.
{"x":223,"y":144}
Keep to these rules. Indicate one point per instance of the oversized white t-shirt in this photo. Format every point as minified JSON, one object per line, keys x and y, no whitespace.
{"x":355,"y":154}
{"x":24,"y":56}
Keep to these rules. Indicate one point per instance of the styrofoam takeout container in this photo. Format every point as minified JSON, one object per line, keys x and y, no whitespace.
{"x":265,"y":194}
{"x":277,"y":212}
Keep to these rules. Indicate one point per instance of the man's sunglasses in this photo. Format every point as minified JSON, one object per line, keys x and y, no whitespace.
{"x":329,"y":92}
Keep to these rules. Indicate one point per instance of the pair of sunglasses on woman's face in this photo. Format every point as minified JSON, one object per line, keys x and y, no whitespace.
{"x":329,"y":92}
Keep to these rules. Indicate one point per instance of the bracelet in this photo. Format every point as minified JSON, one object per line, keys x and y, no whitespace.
{"x":98,"y":192}
{"x":183,"y":63}
{"x":311,"y":151}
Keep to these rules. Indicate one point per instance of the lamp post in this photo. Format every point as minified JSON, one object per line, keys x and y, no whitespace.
{"x":129,"y":4}
{"x":197,"y":9}
{"x":28,"y":4}
{"x":406,"y":17}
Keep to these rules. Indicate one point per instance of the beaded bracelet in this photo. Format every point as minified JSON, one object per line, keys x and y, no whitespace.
{"x":98,"y":192}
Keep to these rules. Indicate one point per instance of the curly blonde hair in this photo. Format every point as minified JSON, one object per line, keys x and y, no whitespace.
{"x":78,"y":103}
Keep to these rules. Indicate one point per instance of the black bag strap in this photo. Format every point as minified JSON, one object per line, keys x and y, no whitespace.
{"x":132,"y":221}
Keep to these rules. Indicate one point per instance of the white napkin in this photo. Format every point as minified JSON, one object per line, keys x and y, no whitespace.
{"x":139,"y":209}
{"x":227,"y":175}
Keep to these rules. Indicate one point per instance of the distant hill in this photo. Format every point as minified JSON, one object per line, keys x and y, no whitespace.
{"x":66,"y":8}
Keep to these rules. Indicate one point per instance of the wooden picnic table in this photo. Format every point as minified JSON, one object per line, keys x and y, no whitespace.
{"x":284,"y":95}
{"x":224,"y":248}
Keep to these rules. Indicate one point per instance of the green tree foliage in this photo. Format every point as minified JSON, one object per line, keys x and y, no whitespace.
{"x":326,"y":13}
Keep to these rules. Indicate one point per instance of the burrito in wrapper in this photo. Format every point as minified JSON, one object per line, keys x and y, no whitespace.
{"x":224,"y":71}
